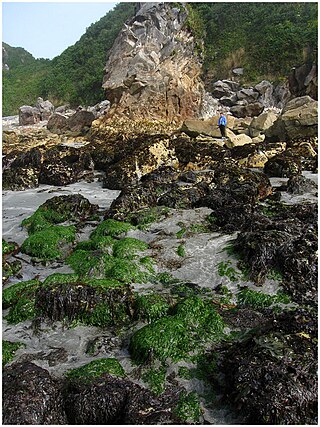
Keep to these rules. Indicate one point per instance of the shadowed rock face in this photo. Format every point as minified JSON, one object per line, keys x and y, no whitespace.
{"x":152,"y":70}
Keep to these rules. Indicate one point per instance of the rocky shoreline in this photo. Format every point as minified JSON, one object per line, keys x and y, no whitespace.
{"x":161,"y":275}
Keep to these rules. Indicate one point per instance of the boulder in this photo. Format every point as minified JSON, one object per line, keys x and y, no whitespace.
{"x":250,"y":110}
{"x":194,"y":127}
{"x":254,"y":160}
{"x":259,"y":138}
{"x":272,"y":376}
{"x":31,"y":396}
{"x":57,"y":123}
{"x":303,"y":80}
{"x":261,"y":123}
{"x":80,"y":121}
{"x":298,"y":184}
{"x":236,"y":140}
{"x":283,"y":166}
{"x":28,"y":115}
{"x":299,"y":119}
{"x":281,"y":95}
{"x":20,"y":178}
{"x":249,"y":95}
{"x":265,"y":90}
{"x":46,"y":108}
{"x":222,"y":89}
{"x":100,"y":109}
{"x":62,"y":109}
{"x":110,"y":400}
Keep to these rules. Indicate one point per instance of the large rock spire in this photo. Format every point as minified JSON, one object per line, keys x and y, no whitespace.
{"x":153,"y":71}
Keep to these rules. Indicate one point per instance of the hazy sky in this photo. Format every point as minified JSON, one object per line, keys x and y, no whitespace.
{"x":46,"y":29}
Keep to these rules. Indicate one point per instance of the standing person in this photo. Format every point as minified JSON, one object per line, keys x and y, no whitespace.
{"x":222,"y":123}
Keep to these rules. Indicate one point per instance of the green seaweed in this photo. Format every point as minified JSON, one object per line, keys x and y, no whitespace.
{"x":143,"y":218}
{"x":199,"y":228}
{"x":166,"y":278}
{"x":46,"y":244}
{"x":58,"y":278}
{"x":155,"y":378}
{"x":150,"y":307}
{"x":181,"y":233}
{"x":11,"y":268}
{"x":193,"y":324}
{"x":8,"y":350}
{"x":21,"y":300}
{"x":181,"y":251}
{"x":111,"y":227}
{"x":96,"y":368}
{"x":225,"y":269}
{"x":128,"y":247}
{"x":188,"y":408}
{"x":184,"y":372}
{"x":12,"y":294}
{"x":7,"y":247}
{"x":82,"y":261}
{"x":42,"y":219}
{"x":257,"y":299}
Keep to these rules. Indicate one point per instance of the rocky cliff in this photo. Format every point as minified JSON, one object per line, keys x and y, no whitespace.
{"x":152,"y":69}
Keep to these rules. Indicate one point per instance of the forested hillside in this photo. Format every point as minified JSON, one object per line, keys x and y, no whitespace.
{"x":74,"y":77}
{"x":266,"y":39}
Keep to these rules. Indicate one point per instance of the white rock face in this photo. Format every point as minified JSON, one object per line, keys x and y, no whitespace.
{"x":152,"y":70}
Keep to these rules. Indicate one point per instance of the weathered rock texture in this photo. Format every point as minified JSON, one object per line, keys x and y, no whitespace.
{"x":152,"y":70}
{"x":299,"y":119}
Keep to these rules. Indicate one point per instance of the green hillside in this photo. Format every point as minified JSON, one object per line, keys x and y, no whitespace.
{"x":266,"y":39}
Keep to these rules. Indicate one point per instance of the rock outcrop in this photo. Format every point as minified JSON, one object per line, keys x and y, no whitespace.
{"x":299,"y":119}
{"x":152,"y":70}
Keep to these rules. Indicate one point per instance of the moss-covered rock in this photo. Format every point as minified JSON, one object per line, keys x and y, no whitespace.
{"x":8,"y":350}
{"x":96,"y":368}
{"x":92,"y":302}
{"x":151,"y":307}
{"x":48,"y":244}
{"x":21,"y":300}
{"x":9,"y":267}
{"x":188,"y":408}
{"x":111,"y":228}
{"x":59,"y":209}
{"x":192,"y":324}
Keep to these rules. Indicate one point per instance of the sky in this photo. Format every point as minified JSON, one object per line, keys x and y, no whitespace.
{"x":46,"y":29}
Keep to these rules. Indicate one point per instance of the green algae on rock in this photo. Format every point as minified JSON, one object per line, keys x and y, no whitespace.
{"x":151,"y":307}
{"x":21,"y":300}
{"x":89,"y":301}
{"x":256,"y":299}
{"x":111,"y":227}
{"x":119,"y":259}
{"x":155,"y":378}
{"x":188,"y":408}
{"x":96,"y":368}
{"x":47,"y":243}
{"x":8,"y":350}
{"x":193,"y":324}
{"x":59,"y":209}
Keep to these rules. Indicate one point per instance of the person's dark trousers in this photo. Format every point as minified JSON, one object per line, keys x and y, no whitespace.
{"x":222,"y":130}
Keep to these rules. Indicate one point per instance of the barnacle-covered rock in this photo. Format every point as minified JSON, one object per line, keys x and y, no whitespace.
{"x":271,"y":374}
{"x":31,"y":396}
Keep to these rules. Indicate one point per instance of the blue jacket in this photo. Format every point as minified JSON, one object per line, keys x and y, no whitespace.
{"x":222,"y":121}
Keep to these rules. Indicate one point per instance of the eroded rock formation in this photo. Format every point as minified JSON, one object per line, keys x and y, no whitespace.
{"x":152,"y":70}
